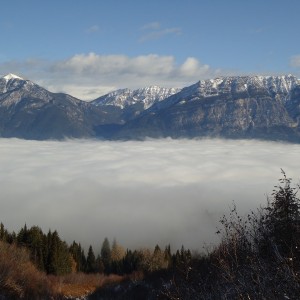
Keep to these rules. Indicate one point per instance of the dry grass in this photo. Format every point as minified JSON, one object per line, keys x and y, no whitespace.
{"x":20,"y":279}
{"x":80,"y":284}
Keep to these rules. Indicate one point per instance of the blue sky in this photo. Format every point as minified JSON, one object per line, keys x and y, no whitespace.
{"x":87,"y":48}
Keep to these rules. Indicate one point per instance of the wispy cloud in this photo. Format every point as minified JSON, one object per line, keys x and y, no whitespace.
{"x":154,"y":31}
{"x":257,"y":30}
{"x":295,"y":61}
{"x":142,"y":193}
{"x":93,"y":29}
{"x":151,"y":26}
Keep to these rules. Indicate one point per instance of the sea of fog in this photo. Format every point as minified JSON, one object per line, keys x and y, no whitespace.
{"x":141,"y":193}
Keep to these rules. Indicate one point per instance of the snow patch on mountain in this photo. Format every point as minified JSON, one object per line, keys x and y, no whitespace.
{"x":11,"y":76}
{"x":278,"y":87}
{"x":13,"y":88}
{"x":271,"y":84}
{"x":146,"y":96}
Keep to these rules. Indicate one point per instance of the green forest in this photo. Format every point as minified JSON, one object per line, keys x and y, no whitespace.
{"x":258,"y":258}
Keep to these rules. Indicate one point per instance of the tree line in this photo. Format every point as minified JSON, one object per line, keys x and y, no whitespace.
{"x":258,"y":258}
{"x":52,"y":255}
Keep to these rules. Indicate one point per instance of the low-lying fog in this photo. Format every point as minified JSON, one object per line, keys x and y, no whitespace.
{"x":141,"y":193}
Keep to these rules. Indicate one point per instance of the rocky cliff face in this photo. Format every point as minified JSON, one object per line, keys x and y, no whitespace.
{"x":145,"y":96}
{"x":234,"y":107}
{"x":133,"y":102}
{"x":29,"y":111}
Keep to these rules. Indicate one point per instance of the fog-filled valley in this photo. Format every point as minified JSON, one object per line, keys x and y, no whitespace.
{"x":141,"y":193}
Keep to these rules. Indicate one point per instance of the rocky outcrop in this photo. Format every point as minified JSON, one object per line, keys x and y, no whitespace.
{"x":231,"y":107}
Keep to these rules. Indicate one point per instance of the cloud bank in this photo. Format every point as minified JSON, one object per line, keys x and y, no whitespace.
{"x":141,"y":193}
{"x":90,"y":75}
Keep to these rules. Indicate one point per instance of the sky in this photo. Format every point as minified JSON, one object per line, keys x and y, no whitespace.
{"x":89,"y":48}
{"x":141,"y":193}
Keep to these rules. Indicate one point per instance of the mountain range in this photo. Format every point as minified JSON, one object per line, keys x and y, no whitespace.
{"x":263,"y":107}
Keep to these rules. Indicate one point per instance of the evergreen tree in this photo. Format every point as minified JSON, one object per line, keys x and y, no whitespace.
{"x":22,"y":236}
{"x":130,"y":261}
{"x":5,"y":236}
{"x":83,"y":261}
{"x":35,"y":244}
{"x":79,"y":257}
{"x":59,"y":262}
{"x":91,"y":261}
{"x":99,"y":264}
{"x":106,"y":255}
{"x":282,"y":219}
{"x":1,"y":232}
{"x":168,"y":255}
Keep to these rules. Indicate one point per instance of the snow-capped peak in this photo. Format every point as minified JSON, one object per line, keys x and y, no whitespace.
{"x":13,"y":88}
{"x":146,"y":96}
{"x":232,"y":84}
{"x":11,"y":76}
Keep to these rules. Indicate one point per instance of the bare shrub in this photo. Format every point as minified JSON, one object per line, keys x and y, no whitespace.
{"x":258,"y":257}
{"x":19,"y":278}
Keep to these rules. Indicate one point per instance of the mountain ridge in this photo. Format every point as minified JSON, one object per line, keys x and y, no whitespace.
{"x":126,"y":97}
{"x":230,"y":107}
{"x":29,"y":111}
{"x":266,"y":107}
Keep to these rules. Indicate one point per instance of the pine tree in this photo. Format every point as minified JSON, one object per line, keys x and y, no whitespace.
{"x":22,"y":236}
{"x":168,"y":255}
{"x":91,"y":261}
{"x":59,"y":259}
{"x":106,"y":255}
{"x":130,"y":261}
{"x":79,"y":257}
{"x":5,"y":236}
{"x":35,"y":243}
{"x":282,"y":219}
{"x":2,"y":231}
{"x":99,"y":264}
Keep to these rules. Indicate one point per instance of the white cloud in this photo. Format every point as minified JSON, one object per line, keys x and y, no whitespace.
{"x":88,"y":76}
{"x":132,"y":72}
{"x":191,"y":67}
{"x":142,"y":193}
{"x":295,"y":61}
{"x":81,"y":92}
{"x":93,"y":64}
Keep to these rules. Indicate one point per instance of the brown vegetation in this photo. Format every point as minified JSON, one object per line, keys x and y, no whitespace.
{"x":80,"y":284}
{"x":19,"y":278}
{"x":258,"y":258}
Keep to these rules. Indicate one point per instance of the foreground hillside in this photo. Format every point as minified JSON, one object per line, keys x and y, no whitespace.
{"x":258,"y":258}
{"x":231,"y":107}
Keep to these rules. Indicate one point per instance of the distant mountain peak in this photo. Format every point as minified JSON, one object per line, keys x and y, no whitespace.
{"x":11,"y":76}
{"x":278,"y":84}
{"x":146,"y":96}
